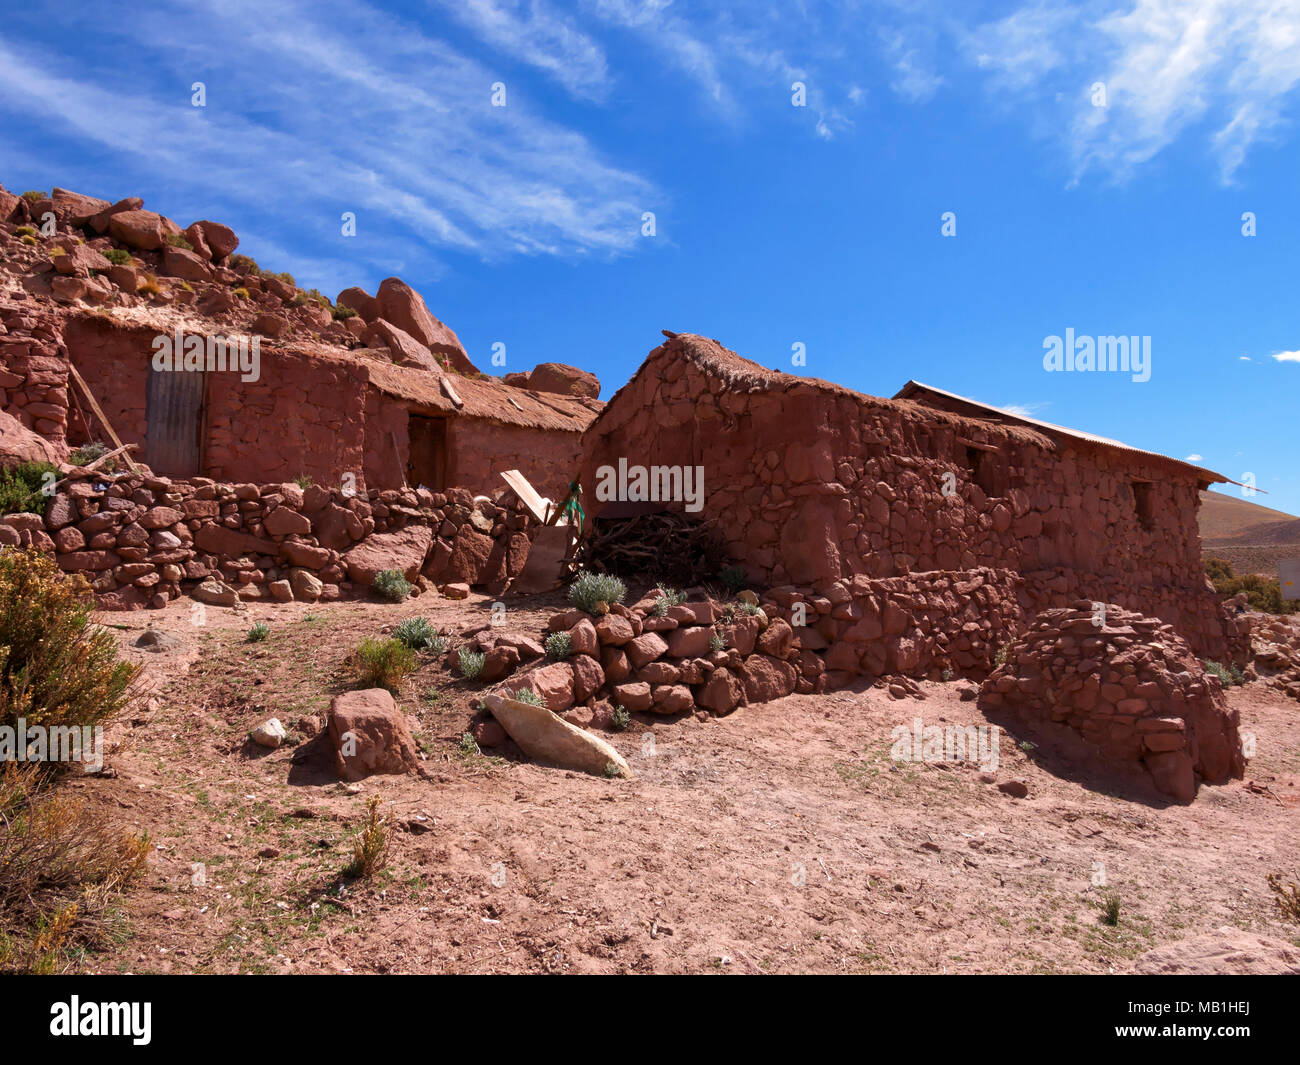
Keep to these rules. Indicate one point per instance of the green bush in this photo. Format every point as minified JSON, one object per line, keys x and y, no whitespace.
{"x":1229,"y":676}
{"x":391,"y":585}
{"x":31,"y":196}
{"x":177,"y":241}
{"x":244,"y":264}
{"x":88,"y":453}
{"x":258,"y":633}
{"x":383,"y":663}
{"x":342,"y":313}
{"x":622,"y":718}
{"x":671,"y":597}
{"x":118,"y":256}
{"x":471,"y":662}
{"x":591,"y":589}
{"x":559,"y":645}
{"x":718,"y":641}
{"x":732,"y":578}
{"x":416,"y":633}
{"x":527,"y":695}
{"x":56,"y":668}
{"x":20,"y":488}
{"x":1262,"y":593}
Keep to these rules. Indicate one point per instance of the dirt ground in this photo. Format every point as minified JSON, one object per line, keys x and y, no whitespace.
{"x":779,"y":839}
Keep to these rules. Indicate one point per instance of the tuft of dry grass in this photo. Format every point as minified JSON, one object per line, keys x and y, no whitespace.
{"x":370,"y":851}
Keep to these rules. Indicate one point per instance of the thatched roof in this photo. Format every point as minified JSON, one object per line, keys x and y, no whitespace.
{"x":484,"y":398}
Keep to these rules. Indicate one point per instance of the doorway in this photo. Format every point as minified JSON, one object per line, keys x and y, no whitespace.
{"x":174,"y":421}
{"x":427,"y":464}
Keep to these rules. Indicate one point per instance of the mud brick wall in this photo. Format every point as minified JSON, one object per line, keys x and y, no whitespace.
{"x":113,"y":359}
{"x":1132,"y":687}
{"x":141,"y":541}
{"x":480,"y":451}
{"x":33,"y":375}
{"x":809,"y":483}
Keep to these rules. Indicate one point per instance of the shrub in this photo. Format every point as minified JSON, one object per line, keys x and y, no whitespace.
{"x":527,"y":695}
{"x":56,"y":668}
{"x":746,"y":607}
{"x":241,"y":293}
{"x":20,"y":488}
{"x":1262,"y":593}
{"x":258,"y":633}
{"x":88,"y":453}
{"x":1110,"y":910}
{"x":286,"y":277}
{"x":671,"y":597}
{"x":718,"y":641}
{"x":559,"y":645}
{"x":29,"y":239}
{"x":732,"y":578}
{"x":383,"y":663}
{"x":391,"y":585}
{"x":148,"y":285}
{"x":32,"y":195}
{"x":342,"y":313}
{"x":61,"y":862}
{"x":1229,"y":676}
{"x":1288,"y":895}
{"x":415,"y":633}
{"x":118,"y":256}
{"x":26,"y":231}
{"x":244,"y":264}
{"x":370,"y":849}
{"x":622,"y":718}
{"x":177,"y":241}
{"x":592,"y":589}
{"x":471,"y":662}
{"x":468,"y":744}
{"x":54,"y":252}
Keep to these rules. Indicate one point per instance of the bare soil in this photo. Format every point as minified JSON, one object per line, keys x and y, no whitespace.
{"x":779,"y":839}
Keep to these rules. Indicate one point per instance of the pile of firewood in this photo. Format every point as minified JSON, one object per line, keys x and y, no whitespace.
{"x":678,"y":549}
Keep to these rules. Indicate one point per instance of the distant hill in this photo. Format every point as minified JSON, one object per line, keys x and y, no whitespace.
{"x":1248,"y":535}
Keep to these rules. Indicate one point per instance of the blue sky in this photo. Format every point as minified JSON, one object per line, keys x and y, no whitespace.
{"x":775,"y":224}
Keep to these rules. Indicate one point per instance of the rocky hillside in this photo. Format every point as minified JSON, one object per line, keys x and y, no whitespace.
{"x":1252,"y":537}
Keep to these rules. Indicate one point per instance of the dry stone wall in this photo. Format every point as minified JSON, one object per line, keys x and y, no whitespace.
{"x":141,"y":541}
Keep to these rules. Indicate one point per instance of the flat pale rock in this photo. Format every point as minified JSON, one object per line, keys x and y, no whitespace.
{"x":541,"y":734}
{"x":1225,"y":950}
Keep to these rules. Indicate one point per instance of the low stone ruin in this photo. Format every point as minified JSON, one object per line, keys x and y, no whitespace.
{"x":1130,"y":685}
{"x":1275,"y":651}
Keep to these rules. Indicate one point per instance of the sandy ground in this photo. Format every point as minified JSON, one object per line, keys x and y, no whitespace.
{"x":779,"y":839}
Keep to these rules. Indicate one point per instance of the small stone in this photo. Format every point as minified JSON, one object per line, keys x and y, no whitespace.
{"x":269,"y":733}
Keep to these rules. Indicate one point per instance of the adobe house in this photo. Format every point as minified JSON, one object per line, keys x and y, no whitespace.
{"x":319,"y":411}
{"x":809,"y":482}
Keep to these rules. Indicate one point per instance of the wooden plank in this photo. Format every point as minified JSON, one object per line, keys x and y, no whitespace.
{"x":450,"y":389}
{"x":527,"y":494}
{"x":90,"y":467}
{"x":397,"y":457}
{"x":99,"y":413}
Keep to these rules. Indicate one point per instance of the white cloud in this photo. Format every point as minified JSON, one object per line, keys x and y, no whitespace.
{"x":1194,"y":458}
{"x":1287,"y":356}
{"x":1023,"y":410}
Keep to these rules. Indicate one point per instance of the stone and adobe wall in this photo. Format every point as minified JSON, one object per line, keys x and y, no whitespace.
{"x":1130,"y":686}
{"x":809,"y":482}
{"x":33,"y":373}
{"x":142,"y":541}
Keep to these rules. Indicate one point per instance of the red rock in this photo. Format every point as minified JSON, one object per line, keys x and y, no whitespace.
{"x":370,"y":735}
{"x":160,"y":517}
{"x":634,"y":695}
{"x":564,"y":380}
{"x":614,"y":661}
{"x":221,"y":239}
{"x":405,"y":349}
{"x":283,"y":521}
{"x":646,"y":648}
{"x":499,"y":662}
{"x":489,"y":733}
{"x":403,"y":550}
{"x":722,"y":692}
{"x":74,"y":209}
{"x":366,"y":306}
{"x":88,"y":560}
{"x":20,"y":444}
{"x":614,"y":630}
{"x":137,"y":229}
{"x":185,"y":264}
{"x":584,"y":640}
{"x":554,"y":683}
{"x":100,"y":222}
{"x":765,"y":678}
{"x":401,"y":305}
{"x":588,"y":677}
{"x":689,"y":643}
{"x":79,"y":260}
{"x":672,"y":699}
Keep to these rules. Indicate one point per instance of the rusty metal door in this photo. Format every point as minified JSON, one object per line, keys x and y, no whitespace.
{"x":174,"y":422}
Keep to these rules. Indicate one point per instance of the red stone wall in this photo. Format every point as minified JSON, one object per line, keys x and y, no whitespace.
{"x":808,"y":485}
{"x":480,"y":451}
{"x":33,"y":376}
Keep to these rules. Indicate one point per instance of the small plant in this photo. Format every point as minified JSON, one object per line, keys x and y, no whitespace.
{"x":746,"y":607}
{"x":559,"y":645}
{"x":118,"y":256}
{"x":416,"y":633}
{"x":258,"y":633}
{"x":1288,"y":895}
{"x":32,"y":196}
{"x":370,"y":851}
{"x":671,"y":597}
{"x":471,"y":662}
{"x":55,"y":252}
{"x":342,"y":313}
{"x":469,"y":745}
{"x":527,"y":695}
{"x":1110,"y":911}
{"x":22,"y":488}
{"x":622,"y":718}
{"x":732,"y":578}
{"x":244,"y":264}
{"x":29,"y":239}
{"x":26,"y":231}
{"x":88,"y":453}
{"x":718,"y":641}
{"x":149,"y":285}
{"x":611,"y":770}
{"x":383,"y":663}
{"x":1000,"y":658}
{"x":303,"y":481}
{"x":391,"y":585}
{"x":1027,"y":746}
{"x":1229,"y":676}
{"x":241,"y":293}
{"x":177,"y":241}
{"x":946,"y":675}
{"x":592,"y":589}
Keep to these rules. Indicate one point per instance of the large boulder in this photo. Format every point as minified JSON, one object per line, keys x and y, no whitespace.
{"x":370,"y":735}
{"x":403,"y":550}
{"x":405,"y":349}
{"x":360,"y":301}
{"x":400,"y":304}
{"x":20,"y":444}
{"x":220,"y":239}
{"x":138,"y":229}
{"x":563,"y":380}
{"x":74,"y":209}
{"x":542,"y":734}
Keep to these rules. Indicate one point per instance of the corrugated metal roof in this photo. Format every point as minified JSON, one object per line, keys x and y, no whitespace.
{"x":914,"y":389}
